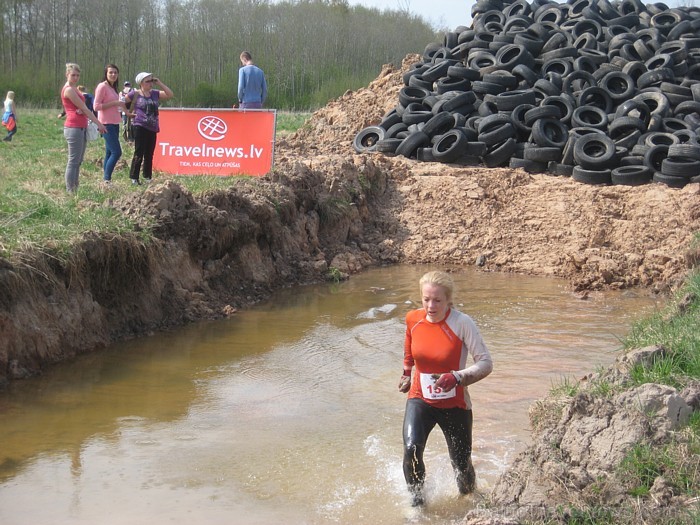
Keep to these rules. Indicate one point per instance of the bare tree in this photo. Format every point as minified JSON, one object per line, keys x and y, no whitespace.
{"x":310,"y":49}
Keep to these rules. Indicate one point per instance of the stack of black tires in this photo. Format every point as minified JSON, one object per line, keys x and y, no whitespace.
{"x":607,"y":92}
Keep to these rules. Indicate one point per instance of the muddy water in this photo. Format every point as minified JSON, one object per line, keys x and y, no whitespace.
{"x":288,"y":412}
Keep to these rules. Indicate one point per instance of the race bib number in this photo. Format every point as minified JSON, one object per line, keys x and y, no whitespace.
{"x":430,"y":391}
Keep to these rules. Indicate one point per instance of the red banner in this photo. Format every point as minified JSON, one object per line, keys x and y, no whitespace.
{"x":215,"y":141}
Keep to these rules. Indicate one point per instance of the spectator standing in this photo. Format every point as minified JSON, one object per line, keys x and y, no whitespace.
{"x":252,"y":87}
{"x":126,"y":121}
{"x":9,"y":116}
{"x":144,"y":109}
{"x":89,"y":99}
{"x":108,"y":106}
{"x":75,"y":126}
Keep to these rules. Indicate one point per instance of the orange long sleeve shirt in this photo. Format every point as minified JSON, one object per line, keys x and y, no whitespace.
{"x":437,"y":348}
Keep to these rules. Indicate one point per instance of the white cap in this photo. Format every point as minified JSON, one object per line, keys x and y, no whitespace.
{"x":141,"y":76}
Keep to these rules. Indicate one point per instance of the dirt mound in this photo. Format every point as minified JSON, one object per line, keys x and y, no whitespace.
{"x":506,"y":219}
{"x":332,"y":128}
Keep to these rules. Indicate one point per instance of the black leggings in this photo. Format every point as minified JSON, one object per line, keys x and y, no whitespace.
{"x":456,"y":424}
{"x":144,"y":147}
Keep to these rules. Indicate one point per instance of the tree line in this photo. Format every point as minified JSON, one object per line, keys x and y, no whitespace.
{"x":310,"y":50}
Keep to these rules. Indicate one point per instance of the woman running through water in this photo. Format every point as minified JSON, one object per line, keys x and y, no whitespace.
{"x":439,"y":339}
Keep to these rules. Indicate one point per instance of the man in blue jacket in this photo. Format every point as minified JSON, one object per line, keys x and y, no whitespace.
{"x":252,"y":88}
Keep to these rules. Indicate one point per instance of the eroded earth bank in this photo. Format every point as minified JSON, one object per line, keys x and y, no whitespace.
{"x":327,"y":211}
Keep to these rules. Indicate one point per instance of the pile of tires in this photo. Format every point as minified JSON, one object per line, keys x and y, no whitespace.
{"x":604,"y":92}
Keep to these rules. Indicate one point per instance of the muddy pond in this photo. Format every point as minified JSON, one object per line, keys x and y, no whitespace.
{"x":288,"y":412}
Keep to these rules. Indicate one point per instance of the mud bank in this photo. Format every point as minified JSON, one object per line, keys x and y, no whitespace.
{"x":579,"y":451}
{"x":206,"y":258}
{"x":331,"y":216}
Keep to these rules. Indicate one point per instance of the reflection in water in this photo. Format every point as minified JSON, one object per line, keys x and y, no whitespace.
{"x":289,"y":411}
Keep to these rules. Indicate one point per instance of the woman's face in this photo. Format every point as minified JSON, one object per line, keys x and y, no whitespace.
{"x":112,"y":75}
{"x":73,"y":76}
{"x":435,"y":302}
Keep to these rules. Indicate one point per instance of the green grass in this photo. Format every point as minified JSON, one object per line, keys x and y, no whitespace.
{"x":589,"y":516}
{"x":36,"y":212}
{"x":677,"y":462}
{"x":643,"y":464}
{"x":676,"y":329}
{"x":289,"y":122}
{"x":565,"y":387}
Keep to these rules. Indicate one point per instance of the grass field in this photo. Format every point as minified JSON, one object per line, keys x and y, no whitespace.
{"x":35,"y":209}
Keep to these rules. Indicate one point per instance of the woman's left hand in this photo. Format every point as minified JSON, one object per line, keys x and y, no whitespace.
{"x":446,"y":381}
{"x":405,"y":382}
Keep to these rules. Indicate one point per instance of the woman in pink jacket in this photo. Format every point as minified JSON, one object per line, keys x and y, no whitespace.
{"x":108,"y":106}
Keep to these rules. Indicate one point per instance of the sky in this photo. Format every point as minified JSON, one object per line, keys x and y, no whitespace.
{"x":442,"y":14}
{"x":439,"y":13}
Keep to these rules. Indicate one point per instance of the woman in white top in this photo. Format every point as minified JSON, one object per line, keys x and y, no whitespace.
{"x":9,"y":116}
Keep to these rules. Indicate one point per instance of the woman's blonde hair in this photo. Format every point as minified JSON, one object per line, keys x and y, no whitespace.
{"x":72,"y":66}
{"x":439,"y":278}
{"x":10,"y":95}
